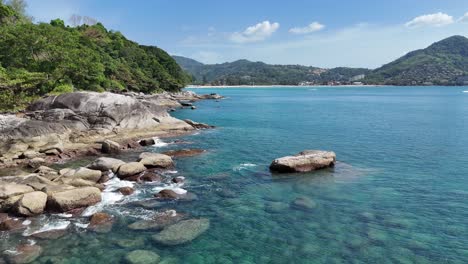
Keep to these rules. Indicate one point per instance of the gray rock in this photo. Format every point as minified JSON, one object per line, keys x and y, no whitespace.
{"x":71,"y":199}
{"x":155,"y":160}
{"x":142,"y":257}
{"x":8,"y":190}
{"x":30,"y":204}
{"x":182,"y":232}
{"x":130,"y":169}
{"x":110,"y":147}
{"x":88,"y":174}
{"x":305,"y":161}
{"x":106,"y":164}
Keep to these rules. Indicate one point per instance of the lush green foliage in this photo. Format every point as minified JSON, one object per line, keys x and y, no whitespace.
{"x":244,"y":72}
{"x":42,"y":58}
{"x":442,"y":63}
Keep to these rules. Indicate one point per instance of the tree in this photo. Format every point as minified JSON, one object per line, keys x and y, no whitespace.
{"x":75,"y":20}
{"x":89,"y":21}
{"x":19,"y":6}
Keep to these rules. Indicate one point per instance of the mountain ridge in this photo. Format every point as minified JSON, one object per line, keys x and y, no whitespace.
{"x":442,"y":63}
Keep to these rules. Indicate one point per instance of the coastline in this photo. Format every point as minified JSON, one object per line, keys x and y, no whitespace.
{"x":278,"y":86}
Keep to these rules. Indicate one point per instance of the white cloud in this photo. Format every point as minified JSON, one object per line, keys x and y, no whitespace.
{"x":313,"y":27}
{"x":258,"y":32}
{"x":438,"y":19}
{"x":464,"y":18}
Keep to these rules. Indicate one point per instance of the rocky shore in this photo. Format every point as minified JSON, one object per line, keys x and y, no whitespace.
{"x":78,"y":124}
{"x":81,"y":124}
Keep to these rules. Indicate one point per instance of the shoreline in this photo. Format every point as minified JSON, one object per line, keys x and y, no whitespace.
{"x":278,"y":86}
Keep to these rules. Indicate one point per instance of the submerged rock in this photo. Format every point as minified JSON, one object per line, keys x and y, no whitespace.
{"x":176,"y":194}
{"x":305,"y":161}
{"x":71,"y":199}
{"x":51,"y":234}
{"x":142,"y":257}
{"x":155,"y":160}
{"x":12,"y":224}
{"x":24,"y":253}
{"x":126,"y":190}
{"x":159,"y":222}
{"x":101,"y":222}
{"x":184,"y":152}
{"x":198,"y":125}
{"x":303,"y":203}
{"x":182,"y":232}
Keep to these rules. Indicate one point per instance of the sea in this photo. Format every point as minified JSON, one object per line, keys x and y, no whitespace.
{"x":398,"y":193}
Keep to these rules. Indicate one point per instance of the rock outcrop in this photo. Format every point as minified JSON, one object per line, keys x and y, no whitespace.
{"x":155,"y":160}
{"x":305,"y":161}
{"x":71,"y":199}
{"x":55,"y":124}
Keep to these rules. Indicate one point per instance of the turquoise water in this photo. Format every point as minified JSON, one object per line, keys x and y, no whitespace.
{"x":398,"y":194}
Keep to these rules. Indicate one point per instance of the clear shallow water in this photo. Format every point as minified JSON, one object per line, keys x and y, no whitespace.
{"x":398,"y":194}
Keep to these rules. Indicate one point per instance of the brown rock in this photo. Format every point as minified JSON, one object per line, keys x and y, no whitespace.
{"x":147,"y":142}
{"x":101,"y":222}
{"x":184,"y":152}
{"x":12,"y":224}
{"x":126,"y":190}
{"x":24,"y":253}
{"x":110,"y":147}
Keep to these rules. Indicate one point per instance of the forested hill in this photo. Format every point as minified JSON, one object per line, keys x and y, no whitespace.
{"x":37,"y":59}
{"x":443,"y":63}
{"x":244,"y":72}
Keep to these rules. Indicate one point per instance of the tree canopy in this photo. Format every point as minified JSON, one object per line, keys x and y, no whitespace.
{"x":35,"y":59}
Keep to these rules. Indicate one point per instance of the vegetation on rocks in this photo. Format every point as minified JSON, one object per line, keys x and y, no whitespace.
{"x":52,"y":58}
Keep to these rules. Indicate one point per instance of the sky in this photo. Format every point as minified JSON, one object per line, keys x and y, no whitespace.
{"x":321,"y":33}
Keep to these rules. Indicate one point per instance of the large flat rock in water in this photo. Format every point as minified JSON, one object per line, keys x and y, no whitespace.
{"x":305,"y":161}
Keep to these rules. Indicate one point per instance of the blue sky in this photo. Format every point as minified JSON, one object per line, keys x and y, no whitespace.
{"x":356,"y":33}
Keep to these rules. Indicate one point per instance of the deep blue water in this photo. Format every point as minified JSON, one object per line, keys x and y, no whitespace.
{"x":399,"y":193}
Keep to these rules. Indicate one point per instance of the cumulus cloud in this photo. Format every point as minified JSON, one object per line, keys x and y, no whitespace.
{"x":438,"y":20}
{"x":258,"y":32}
{"x":464,"y":18}
{"x":312,"y":27}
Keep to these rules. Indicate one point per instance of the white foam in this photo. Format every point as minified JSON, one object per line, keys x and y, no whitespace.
{"x":26,"y":222}
{"x":171,"y":172}
{"x":81,"y":225}
{"x":465,"y":91}
{"x":173,"y":187}
{"x":48,"y":226}
{"x":159,"y":143}
{"x":64,"y":215}
{"x":244,"y":166}
{"x":109,"y":196}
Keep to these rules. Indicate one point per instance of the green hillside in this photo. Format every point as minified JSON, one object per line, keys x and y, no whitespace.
{"x":443,"y":63}
{"x":36,"y":59}
{"x":244,"y":72}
